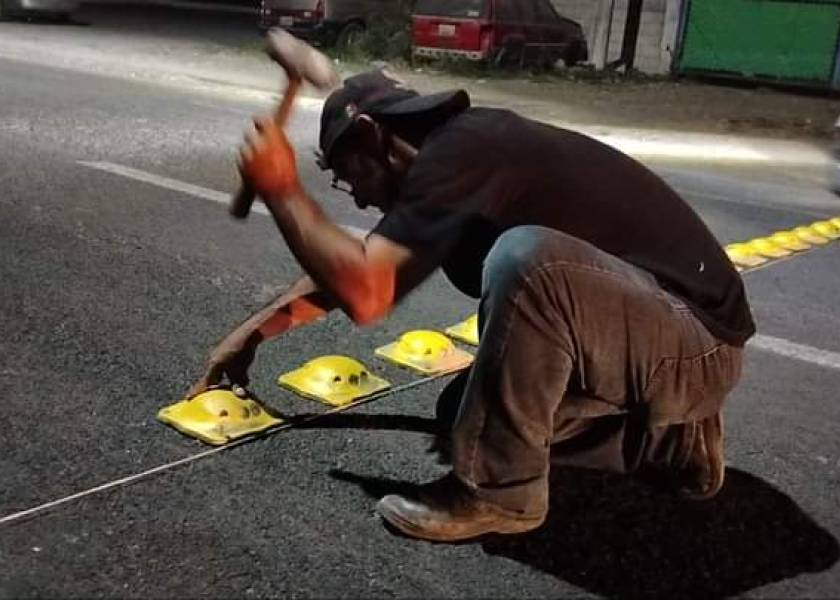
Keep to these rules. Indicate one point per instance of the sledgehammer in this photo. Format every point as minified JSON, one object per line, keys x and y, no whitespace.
{"x":301,"y":62}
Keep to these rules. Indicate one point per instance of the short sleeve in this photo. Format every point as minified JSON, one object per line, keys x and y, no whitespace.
{"x":448,"y":189}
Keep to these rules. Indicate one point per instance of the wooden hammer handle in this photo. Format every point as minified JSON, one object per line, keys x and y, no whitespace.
{"x":241,"y":202}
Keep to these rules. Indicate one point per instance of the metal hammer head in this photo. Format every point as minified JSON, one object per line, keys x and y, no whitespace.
{"x":301,"y":61}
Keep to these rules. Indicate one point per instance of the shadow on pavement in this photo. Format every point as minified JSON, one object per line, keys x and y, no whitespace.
{"x":617,"y":536}
{"x":439,"y":447}
{"x":57,"y":20}
{"x":370,"y":422}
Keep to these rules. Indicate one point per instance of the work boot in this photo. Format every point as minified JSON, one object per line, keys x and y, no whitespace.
{"x":701,"y":477}
{"x":446,"y":511}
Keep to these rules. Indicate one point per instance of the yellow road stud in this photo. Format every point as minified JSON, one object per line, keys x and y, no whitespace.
{"x":336,"y":380}
{"x":789,"y":241}
{"x":835,"y":221}
{"x":826,"y":229}
{"x":429,"y":352}
{"x":806,"y":234}
{"x":767,"y":247}
{"x":217,"y":416}
{"x":744,"y":256}
{"x":466,"y":331}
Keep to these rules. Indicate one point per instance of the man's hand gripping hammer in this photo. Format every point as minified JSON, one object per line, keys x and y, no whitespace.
{"x":302,"y":63}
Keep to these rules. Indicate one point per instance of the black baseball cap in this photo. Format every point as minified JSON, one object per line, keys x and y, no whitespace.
{"x":377,"y":94}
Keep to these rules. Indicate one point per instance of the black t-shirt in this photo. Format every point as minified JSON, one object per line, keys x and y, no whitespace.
{"x":488,"y":170}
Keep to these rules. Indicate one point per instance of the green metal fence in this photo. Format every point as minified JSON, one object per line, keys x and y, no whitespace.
{"x":787,"y":40}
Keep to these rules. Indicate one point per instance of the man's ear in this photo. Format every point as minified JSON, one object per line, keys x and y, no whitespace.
{"x":370,"y":135}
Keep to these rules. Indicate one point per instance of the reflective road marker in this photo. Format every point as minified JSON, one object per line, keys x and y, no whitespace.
{"x":333,"y":379}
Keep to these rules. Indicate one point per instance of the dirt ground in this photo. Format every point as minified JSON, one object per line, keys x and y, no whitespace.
{"x":229,"y":48}
{"x":680,"y":104}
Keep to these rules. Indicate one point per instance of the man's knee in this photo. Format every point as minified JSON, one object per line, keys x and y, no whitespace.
{"x":520,"y":250}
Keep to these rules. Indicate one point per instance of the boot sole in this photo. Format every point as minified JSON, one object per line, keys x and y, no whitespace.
{"x":412,"y":530}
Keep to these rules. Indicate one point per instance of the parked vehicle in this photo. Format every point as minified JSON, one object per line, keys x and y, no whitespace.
{"x":517,"y":32}
{"x":327,"y":22}
{"x":62,"y":9}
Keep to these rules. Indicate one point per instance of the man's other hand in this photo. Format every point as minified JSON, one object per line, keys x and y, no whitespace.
{"x":231,"y":359}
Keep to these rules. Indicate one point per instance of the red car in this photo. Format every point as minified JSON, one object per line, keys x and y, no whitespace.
{"x":514,"y":32}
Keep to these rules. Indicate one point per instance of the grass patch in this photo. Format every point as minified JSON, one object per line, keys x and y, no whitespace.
{"x":387,"y":40}
{"x":462,"y":67}
{"x":588,"y":74}
{"x":255,"y":46}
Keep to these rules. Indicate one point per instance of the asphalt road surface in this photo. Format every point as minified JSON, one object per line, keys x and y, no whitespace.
{"x":119,"y":269}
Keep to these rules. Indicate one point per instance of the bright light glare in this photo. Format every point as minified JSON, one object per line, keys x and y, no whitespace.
{"x":685,"y":150}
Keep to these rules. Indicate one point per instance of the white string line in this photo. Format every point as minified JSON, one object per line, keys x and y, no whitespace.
{"x":123,"y":481}
{"x":250,"y":438}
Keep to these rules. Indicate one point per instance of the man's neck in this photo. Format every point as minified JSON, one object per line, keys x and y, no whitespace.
{"x":402,"y":154}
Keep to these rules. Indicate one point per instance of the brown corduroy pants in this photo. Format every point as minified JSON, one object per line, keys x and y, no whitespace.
{"x":584,"y":360}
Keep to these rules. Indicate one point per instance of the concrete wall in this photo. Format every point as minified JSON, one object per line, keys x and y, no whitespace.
{"x":657,"y":32}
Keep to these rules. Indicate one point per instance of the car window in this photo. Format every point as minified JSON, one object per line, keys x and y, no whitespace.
{"x":528,"y":10}
{"x":452,"y":8}
{"x":293,"y":4}
{"x":509,"y":11}
{"x":545,"y":12}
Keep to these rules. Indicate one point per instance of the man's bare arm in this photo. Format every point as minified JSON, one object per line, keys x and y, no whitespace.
{"x":365,"y":277}
{"x":301,"y":303}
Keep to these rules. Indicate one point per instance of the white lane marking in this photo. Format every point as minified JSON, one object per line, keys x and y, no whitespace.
{"x":165,"y":182}
{"x":186,"y":188}
{"x":809,"y":354}
{"x":779,"y":346}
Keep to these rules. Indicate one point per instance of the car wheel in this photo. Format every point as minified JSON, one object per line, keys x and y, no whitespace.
{"x":574,"y":54}
{"x":547,"y":59}
{"x":350,"y":35}
{"x":510,"y":55}
{"x":3,"y":14}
